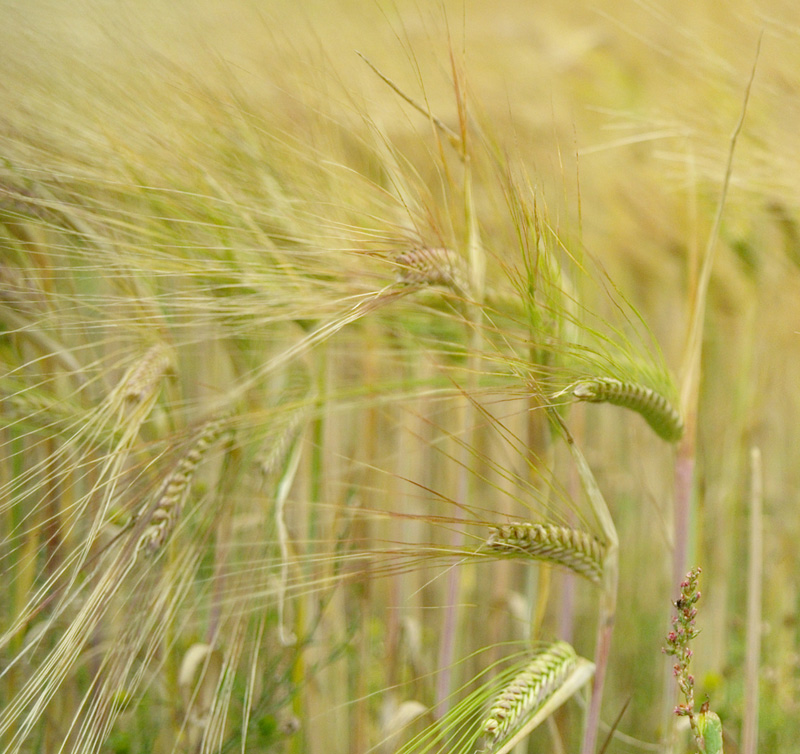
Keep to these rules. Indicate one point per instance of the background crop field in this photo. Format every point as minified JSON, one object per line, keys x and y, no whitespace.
{"x":294,"y":298}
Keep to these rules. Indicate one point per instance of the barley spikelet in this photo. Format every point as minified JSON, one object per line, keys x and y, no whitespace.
{"x":141,"y":380}
{"x":281,"y":439}
{"x":575,"y":549}
{"x":529,"y":689}
{"x":173,"y":492}
{"x":433,"y":267}
{"x":657,"y":411}
{"x":18,"y":291}
{"x":37,"y":405}
{"x":20,"y":203}
{"x":293,"y":407}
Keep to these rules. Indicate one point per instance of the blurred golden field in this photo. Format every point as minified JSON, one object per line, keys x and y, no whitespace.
{"x":239,"y":212}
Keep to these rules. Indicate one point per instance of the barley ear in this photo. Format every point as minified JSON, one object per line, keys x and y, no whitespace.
{"x":437,"y":267}
{"x":163,"y":514}
{"x":665,"y":420}
{"x":528,"y":690}
{"x":141,"y":380}
{"x":577,"y":550}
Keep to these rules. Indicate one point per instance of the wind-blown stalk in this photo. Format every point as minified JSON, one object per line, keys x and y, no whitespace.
{"x":147,"y":532}
{"x":22,"y":713}
{"x":473,"y":317}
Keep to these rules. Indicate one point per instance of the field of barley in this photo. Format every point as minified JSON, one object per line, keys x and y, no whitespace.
{"x":372,"y":375}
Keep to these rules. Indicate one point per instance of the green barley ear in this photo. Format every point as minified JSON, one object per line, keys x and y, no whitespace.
{"x":664,"y":419}
{"x":528,"y":691}
{"x":577,"y":550}
{"x":498,"y":714}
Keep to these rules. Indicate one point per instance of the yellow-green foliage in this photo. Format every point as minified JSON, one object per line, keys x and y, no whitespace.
{"x":394,"y":284}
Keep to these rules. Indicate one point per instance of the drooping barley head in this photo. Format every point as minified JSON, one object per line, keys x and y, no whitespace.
{"x":665,"y":420}
{"x":175,"y":489}
{"x":577,"y":550}
{"x":442,"y":267}
{"x":142,"y":378}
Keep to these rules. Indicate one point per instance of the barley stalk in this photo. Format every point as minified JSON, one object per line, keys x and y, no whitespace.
{"x":529,"y":689}
{"x":175,"y":489}
{"x":665,"y":420}
{"x":577,"y":550}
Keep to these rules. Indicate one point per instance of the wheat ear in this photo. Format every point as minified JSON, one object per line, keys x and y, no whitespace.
{"x":175,"y":489}
{"x":577,"y":550}
{"x":442,"y":267}
{"x":529,"y":689}
{"x":665,"y":420}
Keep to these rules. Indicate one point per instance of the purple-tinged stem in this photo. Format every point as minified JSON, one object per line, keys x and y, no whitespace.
{"x":605,"y":630}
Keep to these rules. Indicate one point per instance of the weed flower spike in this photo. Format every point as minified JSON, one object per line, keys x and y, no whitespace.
{"x":706,"y":726}
{"x":574,"y":549}
{"x":529,"y":689}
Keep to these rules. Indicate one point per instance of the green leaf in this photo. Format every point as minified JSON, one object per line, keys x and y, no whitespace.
{"x":710,"y":727}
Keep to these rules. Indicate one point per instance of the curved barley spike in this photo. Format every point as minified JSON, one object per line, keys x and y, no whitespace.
{"x":142,"y":379}
{"x":529,"y":689}
{"x":173,"y":492}
{"x":296,"y":400}
{"x":441,"y":267}
{"x":577,"y":550}
{"x":665,"y":420}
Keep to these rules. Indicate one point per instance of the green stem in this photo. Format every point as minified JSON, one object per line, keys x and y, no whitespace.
{"x":473,"y":315}
{"x":608,"y":600}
